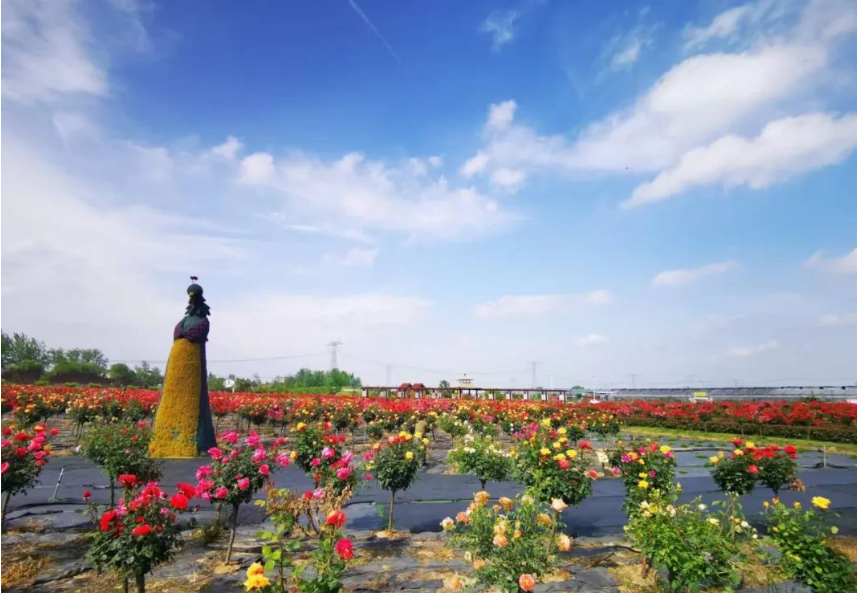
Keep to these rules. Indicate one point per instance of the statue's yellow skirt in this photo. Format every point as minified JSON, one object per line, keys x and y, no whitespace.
{"x":177,"y":419}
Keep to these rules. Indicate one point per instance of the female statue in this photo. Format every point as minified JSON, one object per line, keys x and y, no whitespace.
{"x":183,"y":426}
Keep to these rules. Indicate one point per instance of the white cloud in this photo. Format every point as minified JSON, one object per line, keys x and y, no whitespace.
{"x":847,"y":264}
{"x":745,"y":351}
{"x":500,"y":24}
{"x":436,"y":160}
{"x":509,"y":179}
{"x":724,"y":25}
{"x":837,"y":320}
{"x":702,"y":99}
{"x":689,"y":275}
{"x":354,"y":257}
{"x":71,"y":126}
{"x":712,"y":323}
{"x":500,"y":115}
{"x":785,"y":148}
{"x":46,"y":49}
{"x":329,"y":230}
{"x":591,"y":340}
{"x":476,"y":164}
{"x":623,"y":51}
{"x":257,"y":168}
{"x":375,"y":194}
{"x":540,"y":304}
{"x":229,"y":149}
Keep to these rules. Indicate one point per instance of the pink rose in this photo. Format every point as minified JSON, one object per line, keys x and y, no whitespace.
{"x":315,"y":462}
{"x":215,"y":453}
{"x":252,"y":440}
{"x":368,"y":456}
{"x":259,"y":455}
{"x":221,"y":492}
{"x":264,"y":470}
{"x":243,"y":483}
{"x":283,"y":460}
{"x":318,"y":493}
{"x":327,"y":453}
{"x":343,"y":473}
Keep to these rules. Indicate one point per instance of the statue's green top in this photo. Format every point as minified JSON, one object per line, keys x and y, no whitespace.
{"x":195,"y":315}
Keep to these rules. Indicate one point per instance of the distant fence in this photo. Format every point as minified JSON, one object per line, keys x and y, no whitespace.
{"x":829,"y":393}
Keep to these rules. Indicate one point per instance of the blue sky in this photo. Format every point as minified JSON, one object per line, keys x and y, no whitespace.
{"x":663,"y":191}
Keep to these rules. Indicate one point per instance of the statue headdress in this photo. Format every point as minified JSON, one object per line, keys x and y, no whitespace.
{"x":197,"y":306}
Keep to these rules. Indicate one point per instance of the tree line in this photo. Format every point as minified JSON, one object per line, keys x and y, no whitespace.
{"x":28,"y":360}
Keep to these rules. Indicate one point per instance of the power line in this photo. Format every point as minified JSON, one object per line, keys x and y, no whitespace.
{"x":287,"y":357}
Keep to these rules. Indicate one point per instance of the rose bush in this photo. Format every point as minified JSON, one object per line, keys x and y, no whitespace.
{"x":238,"y":469}
{"x":24,"y":453}
{"x":510,"y":544}
{"x":481,"y":456}
{"x":140,"y":532}
{"x":396,"y":463}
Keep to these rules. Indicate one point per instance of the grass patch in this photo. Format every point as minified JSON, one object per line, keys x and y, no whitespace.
{"x":846,"y":545}
{"x":22,"y":572}
{"x":631,"y":580}
{"x":723,"y":438}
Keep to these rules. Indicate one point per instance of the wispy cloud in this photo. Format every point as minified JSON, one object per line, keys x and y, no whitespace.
{"x":357,"y":191}
{"x":354,"y":257}
{"x":500,"y":24}
{"x":377,"y":33}
{"x":591,"y":340}
{"x":540,"y":304}
{"x":745,"y":351}
{"x":681,"y":277}
{"x":847,"y":264}
{"x":837,"y":320}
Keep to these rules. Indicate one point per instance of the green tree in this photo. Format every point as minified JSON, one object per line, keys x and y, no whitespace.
{"x":122,"y":373}
{"x":18,"y":348}
{"x":444,"y":384}
{"x":148,"y":376}
{"x":77,"y":364}
{"x":216,"y":383}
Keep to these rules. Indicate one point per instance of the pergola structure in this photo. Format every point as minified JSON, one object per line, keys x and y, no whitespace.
{"x":420,"y":391}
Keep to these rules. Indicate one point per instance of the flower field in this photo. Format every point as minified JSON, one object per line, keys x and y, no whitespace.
{"x":344,"y":445}
{"x":834,"y":422}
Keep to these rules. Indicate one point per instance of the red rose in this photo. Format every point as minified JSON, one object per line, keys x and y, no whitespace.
{"x":737,"y":442}
{"x":86,"y":494}
{"x":753,"y":469}
{"x":335,"y":519}
{"x":345,"y":549}
{"x":127,"y":480}
{"x":186,"y":489}
{"x":144,"y":529}
{"x":179,"y":501}
{"x":54,"y":432}
{"x":564,"y":464}
{"x":106,"y":518}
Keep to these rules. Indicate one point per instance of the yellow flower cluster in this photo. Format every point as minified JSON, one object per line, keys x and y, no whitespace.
{"x":174,"y":433}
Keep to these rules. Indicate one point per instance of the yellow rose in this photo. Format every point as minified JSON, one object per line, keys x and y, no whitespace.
{"x":643,"y":484}
{"x":558,"y":505}
{"x":546,"y":422}
{"x":559,"y":456}
{"x":557,"y":445}
{"x":481,"y":497}
{"x":821,"y":503}
{"x":564,"y":542}
{"x":571,"y":453}
{"x":409,"y":455}
{"x":665,"y":449}
{"x":545,"y":452}
{"x":562,"y":431}
{"x":714,"y":459}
